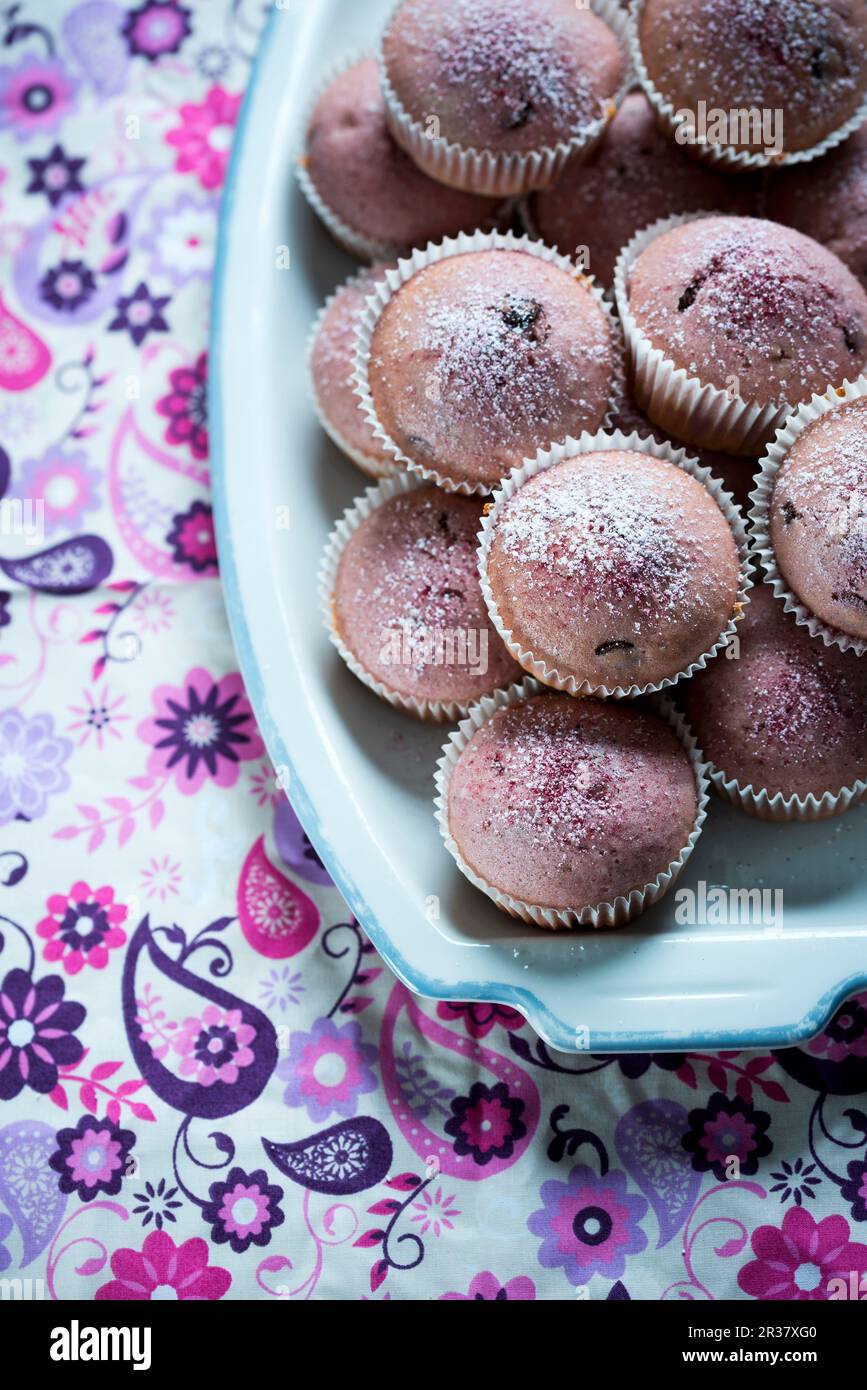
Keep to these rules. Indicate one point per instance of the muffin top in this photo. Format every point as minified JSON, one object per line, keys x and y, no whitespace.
{"x":549,"y":801}
{"x":636,"y":176}
{"x":752,"y":306}
{"x":818,"y":517}
{"x":827,"y":199}
{"x":408,"y":604}
{"x":615,"y":568}
{"x":483,"y":357}
{"x":332,"y":365}
{"x":805,"y":58}
{"x":368,"y":181}
{"x":508,"y":76}
{"x":788,"y":714}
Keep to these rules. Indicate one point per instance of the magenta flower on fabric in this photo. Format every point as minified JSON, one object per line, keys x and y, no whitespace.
{"x":82,"y":926}
{"x":479,"y":1019}
{"x":186,"y":407}
{"x":37,"y":1027}
{"x":588,"y":1225}
{"x":202,"y":729}
{"x":486,"y":1123}
{"x":328,"y":1069}
{"x":846,"y":1034}
{"x":204,"y":137}
{"x":486,"y":1288}
{"x":31,"y":765}
{"x":192,"y":539}
{"x":215,"y":1046}
{"x":796,"y":1261}
{"x":91,"y":1158}
{"x":35,"y":95}
{"x":179,"y":1271}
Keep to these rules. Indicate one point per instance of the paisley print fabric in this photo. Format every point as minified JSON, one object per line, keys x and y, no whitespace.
{"x":210,"y":1086}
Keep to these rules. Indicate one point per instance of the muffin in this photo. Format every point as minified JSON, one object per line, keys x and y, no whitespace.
{"x":372,"y":197}
{"x":613,"y":571}
{"x":544,"y":806}
{"x":404,"y":605}
{"x":730,"y":321}
{"x":804,"y":59}
{"x":332,"y":368}
{"x":635,"y":177}
{"x":495,"y":95}
{"x":785,"y":720}
{"x":817,"y":518}
{"x":827,"y":200}
{"x":483,"y":355}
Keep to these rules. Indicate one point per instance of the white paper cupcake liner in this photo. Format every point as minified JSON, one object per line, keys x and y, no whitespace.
{"x":370,"y":464}
{"x":419,"y":260}
{"x":504,"y":175}
{"x":702,"y":415}
{"x":777,"y":807}
{"x":590,"y":443}
{"x":741,"y":161}
{"x":364,"y":248}
{"x":760,"y":528}
{"x":430,"y":711}
{"x":608,"y":914}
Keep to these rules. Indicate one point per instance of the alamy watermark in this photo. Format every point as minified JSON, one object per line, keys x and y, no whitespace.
{"x":740,"y":127}
{"x":24,"y":517}
{"x":465,"y":648}
{"x":716,"y":906}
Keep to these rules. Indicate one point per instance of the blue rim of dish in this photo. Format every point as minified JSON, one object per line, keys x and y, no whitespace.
{"x":552,"y":1029}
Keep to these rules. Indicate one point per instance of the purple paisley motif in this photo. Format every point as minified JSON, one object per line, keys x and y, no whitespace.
{"x":648,"y":1140}
{"x":28,"y":1187}
{"x":228,"y":1048}
{"x":70,"y":567}
{"x":293,"y":846}
{"x":92,"y":34}
{"x":349,"y":1157}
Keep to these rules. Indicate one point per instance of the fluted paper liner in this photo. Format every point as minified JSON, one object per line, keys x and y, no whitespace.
{"x":622,"y":909}
{"x":370,"y":464}
{"x":505,"y":175}
{"x":777,"y":807}
{"x":592,"y":443}
{"x":760,"y":528}
{"x":700,"y":414}
{"x":430,"y":711}
{"x":730,"y":157}
{"x":387,"y":288}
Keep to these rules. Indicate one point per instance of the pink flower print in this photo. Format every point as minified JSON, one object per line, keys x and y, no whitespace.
{"x":846,"y":1034}
{"x":181,"y":1271}
{"x":435,"y":1212}
{"x":214,"y":1047}
{"x":797,"y":1261}
{"x":97,"y":716}
{"x":185,"y":406}
{"x":64,"y":483}
{"x":204,"y":137}
{"x":328,"y":1069}
{"x":487,"y":1288}
{"x":200,"y":730}
{"x":83,"y":925}
{"x":35,"y":96}
{"x":192,"y":539}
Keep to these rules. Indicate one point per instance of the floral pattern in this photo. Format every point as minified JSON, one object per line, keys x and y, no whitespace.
{"x":206,"y":1072}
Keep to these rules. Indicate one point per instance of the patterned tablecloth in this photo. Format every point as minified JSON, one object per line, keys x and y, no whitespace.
{"x":210,"y":1086}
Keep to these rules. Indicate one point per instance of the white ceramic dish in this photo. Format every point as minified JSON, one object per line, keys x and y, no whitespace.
{"x":360,"y":774}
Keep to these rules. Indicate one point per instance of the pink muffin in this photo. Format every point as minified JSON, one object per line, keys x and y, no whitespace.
{"x":788,"y":716}
{"x":738,"y":475}
{"x":805,"y":58}
{"x":749,"y":307}
{"x":612,"y":570}
{"x":827,"y":200}
{"x":367,"y":181}
{"x":482,"y":357}
{"x":635,"y":177}
{"x":407,"y":606}
{"x":477,"y":89}
{"x":818,"y":518}
{"x":332,"y":368}
{"x":548,"y":802}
